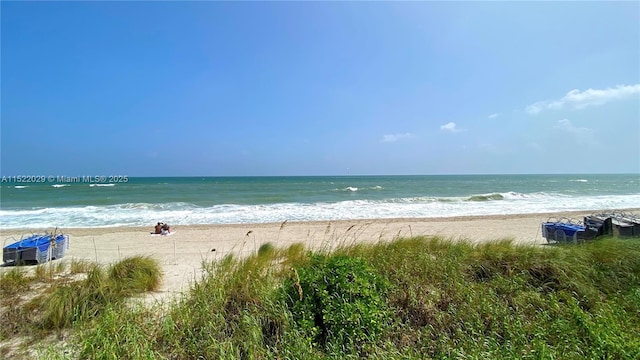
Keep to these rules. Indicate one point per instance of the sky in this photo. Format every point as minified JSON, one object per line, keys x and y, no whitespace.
{"x":319,"y":88}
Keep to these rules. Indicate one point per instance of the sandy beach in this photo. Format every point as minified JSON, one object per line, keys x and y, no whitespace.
{"x":181,"y":253}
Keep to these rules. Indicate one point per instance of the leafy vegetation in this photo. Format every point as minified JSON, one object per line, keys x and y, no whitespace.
{"x":338,"y":302}
{"x":410,"y":298}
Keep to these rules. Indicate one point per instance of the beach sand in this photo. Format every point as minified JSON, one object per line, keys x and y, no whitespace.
{"x":182,"y":253}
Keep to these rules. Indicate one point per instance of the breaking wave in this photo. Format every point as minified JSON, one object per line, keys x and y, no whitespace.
{"x":183,"y":213}
{"x":488,"y":197}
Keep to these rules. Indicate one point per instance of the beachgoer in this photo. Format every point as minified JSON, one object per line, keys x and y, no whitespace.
{"x":165,"y":229}
{"x":158,"y":229}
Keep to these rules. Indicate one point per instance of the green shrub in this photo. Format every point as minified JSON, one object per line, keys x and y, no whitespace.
{"x":338,"y":302}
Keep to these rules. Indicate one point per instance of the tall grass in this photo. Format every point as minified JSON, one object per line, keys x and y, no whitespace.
{"x":63,"y":302}
{"x":437,"y":299}
{"x":13,"y":282}
{"x":136,"y":274}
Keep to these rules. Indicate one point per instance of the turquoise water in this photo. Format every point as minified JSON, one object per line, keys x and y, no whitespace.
{"x":218,"y":200}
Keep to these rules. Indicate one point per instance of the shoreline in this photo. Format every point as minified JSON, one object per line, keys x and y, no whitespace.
{"x":181,"y":254}
{"x":577,"y":214}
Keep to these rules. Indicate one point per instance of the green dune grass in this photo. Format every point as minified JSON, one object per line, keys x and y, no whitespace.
{"x":407,"y":299}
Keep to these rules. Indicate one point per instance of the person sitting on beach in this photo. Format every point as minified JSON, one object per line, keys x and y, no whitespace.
{"x":158,"y":229}
{"x":165,"y":229}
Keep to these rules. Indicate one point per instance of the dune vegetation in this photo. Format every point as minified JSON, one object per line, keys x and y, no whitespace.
{"x":407,"y":299}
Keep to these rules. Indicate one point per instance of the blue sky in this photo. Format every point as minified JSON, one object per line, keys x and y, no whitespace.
{"x":321,"y":88}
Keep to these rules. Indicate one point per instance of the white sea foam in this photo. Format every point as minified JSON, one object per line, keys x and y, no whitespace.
{"x":181,"y":213}
{"x":59,"y":185}
{"x":514,"y":195}
{"x":102,"y":185}
{"x":20,"y":186}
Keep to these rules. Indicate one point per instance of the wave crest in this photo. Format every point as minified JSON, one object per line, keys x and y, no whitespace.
{"x":487,"y":197}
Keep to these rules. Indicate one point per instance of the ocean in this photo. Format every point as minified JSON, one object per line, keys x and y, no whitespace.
{"x":143,"y":201}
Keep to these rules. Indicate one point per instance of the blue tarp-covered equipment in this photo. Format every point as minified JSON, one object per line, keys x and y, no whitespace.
{"x":565,"y":230}
{"x":36,"y":249}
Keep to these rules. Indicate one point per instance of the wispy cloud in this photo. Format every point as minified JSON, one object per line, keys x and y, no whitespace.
{"x":577,"y":99}
{"x":451,"y":127}
{"x":493,"y":116}
{"x":583,"y":135}
{"x":395,"y":137}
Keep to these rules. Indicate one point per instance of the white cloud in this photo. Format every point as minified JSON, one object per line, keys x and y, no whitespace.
{"x":535,"y":108}
{"x":583,"y":135}
{"x":396,"y":137}
{"x":450,"y":126}
{"x":493,"y":116}
{"x":577,"y":99}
